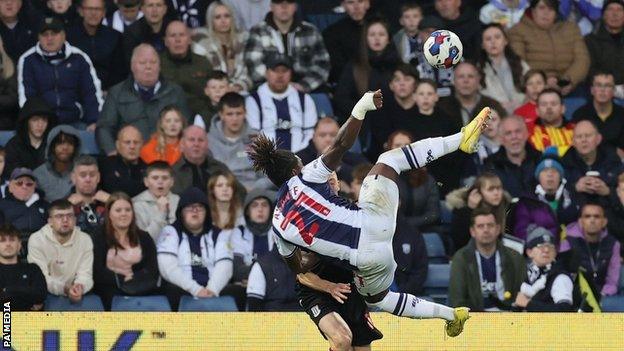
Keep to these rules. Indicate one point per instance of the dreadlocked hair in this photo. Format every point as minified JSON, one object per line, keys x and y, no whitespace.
{"x":276,"y":163}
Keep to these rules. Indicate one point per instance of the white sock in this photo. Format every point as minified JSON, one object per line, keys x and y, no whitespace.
{"x":407,"y":305}
{"x":420,"y":153}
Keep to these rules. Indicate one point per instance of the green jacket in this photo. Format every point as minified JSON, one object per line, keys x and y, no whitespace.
{"x":191,"y":73}
{"x":465,"y":284}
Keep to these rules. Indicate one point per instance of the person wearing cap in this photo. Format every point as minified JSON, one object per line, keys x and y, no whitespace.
{"x":485,"y":275}
{"x":589,"y":153}
{"x":22,"y":284}
{"x":549,"y":205}
{"x":128,"y":12}
{"x":282,"y":33}
{"x":27,"y":147}
{"x":22,"y":206}
{"x":106,"y":55}
{"x":149,"y":29}
{"x":606,"y":45}
{"x":63,"y":75}
{"x":16,"y":28}
{"x":547,"y":288}
{"x":280,"y":110}
{"x":505,"y":13}
{"x":194,"y":257}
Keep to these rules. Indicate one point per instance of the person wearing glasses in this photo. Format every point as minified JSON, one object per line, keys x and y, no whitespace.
{"x":88,"y":201}
{"x":64,"y":254}
{"x":22,"y":206}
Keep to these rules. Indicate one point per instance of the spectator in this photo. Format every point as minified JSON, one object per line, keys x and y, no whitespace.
{"x":341,"y":37}
{"x":88,"y":201}
{"x":62,"y":149}
{"x":248,"y":13}
{"x":230,"y":135}
{"x":505,"y":13}
{"x":271,"y":285}
{"x":63,"y":253}
{"x":606,"y":46}
{"x":586,"y":155}
{"x":515,"y":161}
{"x":463,"y":22}
{"x":223,"y":197}
{"x":615,"y":212}
{"x":22,"y":206}
{"x":102,"y":44}
{"x":442,"y":76}
{"x":8,"y":91}
{"x":533,"y":81}
{"x":594,"y":249}
{"x":164,"y":145}
{"x":299,"y":40}
{"x":63,"y":75}
{"x":128,"y":12}
{"x":540,"y":36}
{"x":63,"y":10}
{"x":359,"y":173}
{"x":224,"y":45}
{"x":485,"y":275}
{"x":371,"y":68}
{"x":487,"y":191}
{"x":196,"y":166}
{"x":194,"y":257}
{"x":124,"y":170}
{"x":149,"y":29}
{"x":489,"y":144}
{"x":548,"y":206}
{"x":23,"y":285}
{"x":216,"y":87}
{"x":407,"y":40}
{"x":180,"y":65}
{"x":410,"y":254}
{"x":191,"y":12}
{"x":16,"y":29}
{"x":139,"y":99}
{"x":27,"y":147}
{"x":155,"y":208}
{"x":551,"y":128}
{"x":124,"y":256}
{"x":280,"y":110}
{"x":325,"y":132}
{"x":502,"y":68}
{"x":609,"y":117}
{"x":548,"y":288}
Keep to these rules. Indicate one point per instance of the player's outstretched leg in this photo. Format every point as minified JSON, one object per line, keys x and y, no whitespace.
{"x":408,"y":305}
{"x":422,"y":152}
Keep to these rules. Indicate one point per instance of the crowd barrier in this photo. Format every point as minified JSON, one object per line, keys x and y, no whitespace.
{"x":120,"y":331}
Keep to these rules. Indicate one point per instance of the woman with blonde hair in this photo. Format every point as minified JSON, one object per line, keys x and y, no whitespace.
{"x":8,"y":91}
{"x":225,"y":204}
{"x":164,"y":145}
{"x":223,"y":44}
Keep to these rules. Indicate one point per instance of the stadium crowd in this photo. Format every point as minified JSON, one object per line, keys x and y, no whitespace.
{"x":125,"y":126}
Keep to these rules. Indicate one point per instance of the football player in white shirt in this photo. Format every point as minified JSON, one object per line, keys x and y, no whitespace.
{"x":309,"y":216}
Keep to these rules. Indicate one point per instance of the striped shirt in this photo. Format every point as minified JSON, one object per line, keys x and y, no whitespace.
{"x":543,"y":137}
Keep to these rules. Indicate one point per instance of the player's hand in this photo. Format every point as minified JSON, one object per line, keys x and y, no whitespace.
{"x":338,"y":291}
{"x":378,"y":99}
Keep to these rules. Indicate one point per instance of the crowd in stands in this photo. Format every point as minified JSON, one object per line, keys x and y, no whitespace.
{"x":125,"y":126}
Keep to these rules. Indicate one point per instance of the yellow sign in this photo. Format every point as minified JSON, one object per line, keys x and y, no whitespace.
{"x":69,"y":331}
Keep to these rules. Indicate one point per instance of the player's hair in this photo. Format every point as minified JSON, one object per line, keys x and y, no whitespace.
{"x":231,"y":100}
{"x":600,"y":73}
{"x":551,"y":91}
{"x":235,"y":204}
{"x":276,"y":163}
{"x":7,"y":229}
{"x":133,"y":230}
{"x":410,"y":6}
{"x":515,"y":62}
{"x":158,"y":166}
{"x":481,"y":211}
{"x":431,"y":82}
{"x":408,"y":70}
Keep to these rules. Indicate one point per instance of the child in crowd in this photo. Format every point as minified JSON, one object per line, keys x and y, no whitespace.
{"x":216,"y":86}
{"x":156,"y":207}
{"x":407,"y":40}
{"x":164,"y":145}
{"x":63,"y":10}
{"x":534,"y":81}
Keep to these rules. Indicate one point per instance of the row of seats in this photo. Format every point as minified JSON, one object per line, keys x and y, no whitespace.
{"x":155,"y":303}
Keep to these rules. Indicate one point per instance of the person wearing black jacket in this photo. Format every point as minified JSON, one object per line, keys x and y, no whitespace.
{"x":410,"y":254}
{"x":17,"y":28}
{"x":125,"y":170}
{"x":124,"y":257}
{"x":27,"y":147}
{"x":149,"y":29}
{"x":21,"y":284}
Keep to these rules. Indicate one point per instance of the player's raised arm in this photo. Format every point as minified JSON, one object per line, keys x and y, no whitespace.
{"x":350,"y":130}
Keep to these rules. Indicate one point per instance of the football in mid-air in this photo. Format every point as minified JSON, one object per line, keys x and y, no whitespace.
{"x":443,"y":49}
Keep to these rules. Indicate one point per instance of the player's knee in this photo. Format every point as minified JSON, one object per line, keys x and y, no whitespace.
{"x":341,"y":339}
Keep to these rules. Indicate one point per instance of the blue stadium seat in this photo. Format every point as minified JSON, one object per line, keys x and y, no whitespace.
{"x":89,"y":302}
{"x":5,"y":136}
{"x":572,"y":104}
{"x":435,"y":248}
{"x":210,"y":304}
{"x":323,"y":105}
{"x":157,"y":303}
{"x":89,"y":146}
{"x":612,"y":303}
{"x":324,"y":20}
{"x":436,"y":285}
